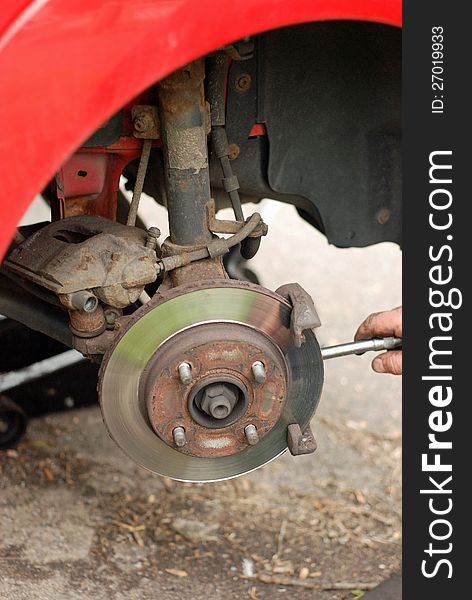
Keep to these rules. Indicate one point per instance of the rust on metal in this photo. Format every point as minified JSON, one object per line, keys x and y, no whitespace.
{"x":223,"y":352}
{"x":233,"y":151}
{"x":304,"y":315}
{"x":231,"y":227}
{"x":88,"y":253}
{"x":184,"y":120}
{"x":87,"y":324}
{"x":146,"y":123}
{"x":94,"y":346}
{"x":242,"y":50}
{"x":300,"y":442}
{"x":201,"y":270}
{"x":186,"y":138}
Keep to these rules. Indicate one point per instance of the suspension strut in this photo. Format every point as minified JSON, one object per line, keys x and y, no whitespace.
{"x":184,"y":126}
{"x":184,"y":129}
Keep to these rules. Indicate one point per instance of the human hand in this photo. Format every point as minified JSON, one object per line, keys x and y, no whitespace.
{"x":384,"y":324}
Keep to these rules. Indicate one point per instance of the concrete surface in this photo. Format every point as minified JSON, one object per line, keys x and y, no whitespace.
{"x":79,"y":520}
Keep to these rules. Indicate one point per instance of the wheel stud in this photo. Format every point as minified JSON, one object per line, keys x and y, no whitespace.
{"x":251,"y":434}
{"x":185,"y":373}
{"x":258,"y":371}
{"x":179,"y":437}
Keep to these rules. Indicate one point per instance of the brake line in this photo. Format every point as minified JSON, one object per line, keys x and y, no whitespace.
{"x":216,"y":82}
{"x":139,"y":184}
{"x":217,"y":247}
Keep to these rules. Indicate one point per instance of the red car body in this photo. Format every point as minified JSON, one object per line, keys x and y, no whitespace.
{"x":62,"y":65}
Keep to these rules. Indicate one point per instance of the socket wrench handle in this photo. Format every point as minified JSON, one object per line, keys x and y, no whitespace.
{"x":372,"y":345}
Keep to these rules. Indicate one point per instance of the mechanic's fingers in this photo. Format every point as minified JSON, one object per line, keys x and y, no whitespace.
{"x":388,"y":362}
{"x":387,"y":323}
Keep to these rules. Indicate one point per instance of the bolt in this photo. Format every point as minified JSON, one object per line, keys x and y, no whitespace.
{"x":218,"y":400}
{"x":251,"y":434}
{"x":152,"y":237}
{"x":242,"y":82}
{"x":111,"y":314}
{"x":141,"y":123}
{"x":185,"y":373}
{"x":258,"y":371}
{"x":179,"y":437}
{"x":84,"y":300}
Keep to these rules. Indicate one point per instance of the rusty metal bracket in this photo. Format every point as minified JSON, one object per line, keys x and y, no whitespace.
{"x":304,"y":315}
{"x":146,"y":123}
{"x":300,"y":442}
{"x":242,"y":50}
{"x":231,"y":227}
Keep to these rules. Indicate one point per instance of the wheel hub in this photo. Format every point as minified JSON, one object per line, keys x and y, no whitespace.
{"x":222,"y":397}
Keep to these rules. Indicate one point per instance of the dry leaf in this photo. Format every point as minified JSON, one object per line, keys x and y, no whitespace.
{"x":253,"y":593}
{"x":177,"y":572}
{"x":359,"y":496}
{"x":128,"y":527}
{"x":47,"y":473}
{"x":304,"y":572}
{"x":138,"y":539}
{"x":283,"y":567}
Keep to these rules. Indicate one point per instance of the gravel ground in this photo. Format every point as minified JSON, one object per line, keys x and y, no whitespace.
{"x":79,"y":520}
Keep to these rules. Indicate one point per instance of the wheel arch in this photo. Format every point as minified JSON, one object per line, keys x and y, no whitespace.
{"x":62,"y":65}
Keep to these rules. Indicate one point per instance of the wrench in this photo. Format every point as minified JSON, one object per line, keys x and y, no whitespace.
{"x":372,"y":345}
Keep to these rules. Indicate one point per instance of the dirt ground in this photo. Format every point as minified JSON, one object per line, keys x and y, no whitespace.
{"x":80,"y":520}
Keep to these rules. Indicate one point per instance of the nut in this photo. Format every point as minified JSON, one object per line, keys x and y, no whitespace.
{"x":111,"y":314}
{"x":218,"y":400}
{"x":153,"y":234}
{"x":242,"y":82}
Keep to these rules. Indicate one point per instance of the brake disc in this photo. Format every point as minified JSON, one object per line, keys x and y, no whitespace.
{"x":219,"y":329}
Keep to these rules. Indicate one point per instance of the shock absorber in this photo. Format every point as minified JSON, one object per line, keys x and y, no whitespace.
{"x":184,"y":129}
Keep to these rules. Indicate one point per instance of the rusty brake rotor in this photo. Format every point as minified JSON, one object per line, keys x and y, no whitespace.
{"x":204,"y":381}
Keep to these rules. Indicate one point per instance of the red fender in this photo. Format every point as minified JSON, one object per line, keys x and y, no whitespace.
{"x":67,"y":65}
